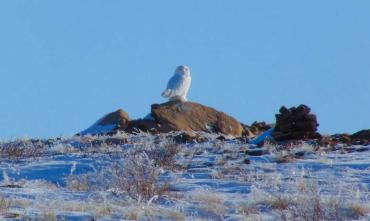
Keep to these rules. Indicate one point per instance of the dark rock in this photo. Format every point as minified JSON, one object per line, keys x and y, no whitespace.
{"x":185,"y":137}
{"x":243,"y":139}
{"x":283,"y":110}
{"x":362,"y":149}
{"x":356,"y":148}
{"x":300,"y":153}
{"x":97,"y":142}
{"x":301,"y":110}
{"x":334,"y":140}
{"x":361,"y":137}
{"x":221,"y":138}
{"x":256,"y":152}
{"x":115,"y":141}
{"x":151,"y":126}
{"x":295,"y":123}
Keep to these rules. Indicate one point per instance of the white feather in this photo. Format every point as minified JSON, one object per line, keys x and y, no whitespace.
{"x":178,"y":85}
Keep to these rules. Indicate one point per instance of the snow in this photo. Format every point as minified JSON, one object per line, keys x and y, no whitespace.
{"x":73,"y":179}
{"x":265,"y":135}
{"x":98,"y":129}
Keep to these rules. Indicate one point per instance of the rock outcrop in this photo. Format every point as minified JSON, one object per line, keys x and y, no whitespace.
{"x":257,"y":128}
{"x":361,"y":137}
{"x":171,"y":116}
{"x":295,"y":123}
{"x":110,"y":123}
{"x":190,"y":117}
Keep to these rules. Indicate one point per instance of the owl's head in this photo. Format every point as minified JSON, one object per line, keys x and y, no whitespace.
{"x":183,"y":70}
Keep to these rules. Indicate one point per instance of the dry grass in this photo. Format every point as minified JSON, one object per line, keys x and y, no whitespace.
{"x":211,"y":202}
{"x":79,"y":183}
{"x":48,"y":215}
{"x":280,"y":203}
{"x":139,"y":177}
{"x":103,"y":211}
{"x":17,"y":151}
{"x":5,"y":204}
{"x":136,"y":172}
{"x":165,"y":155}
{"x":143,"y":211}
{"x":357,"y":209}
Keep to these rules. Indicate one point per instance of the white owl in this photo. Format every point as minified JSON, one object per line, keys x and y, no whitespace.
{"x":178,"y":85}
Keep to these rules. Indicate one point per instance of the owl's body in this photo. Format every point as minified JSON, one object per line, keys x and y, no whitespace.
{"x":178,"y":85}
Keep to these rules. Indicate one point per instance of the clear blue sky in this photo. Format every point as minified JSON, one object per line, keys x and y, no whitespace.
{"x":64,"y":64}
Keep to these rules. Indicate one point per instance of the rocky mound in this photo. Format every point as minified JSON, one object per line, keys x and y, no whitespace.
{"x":295,"y":123}
{"x":110,"y":123}
{"x":255,"y":129}
{"x":190,"y":116}
{"x":361,"y":137}
{"x":168,"y":117}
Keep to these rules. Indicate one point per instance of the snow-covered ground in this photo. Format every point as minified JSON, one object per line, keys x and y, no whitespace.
{"x":145,"y":177}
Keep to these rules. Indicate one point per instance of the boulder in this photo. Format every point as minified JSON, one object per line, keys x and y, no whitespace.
{"x":341,"y":138}
{"x":190,"y":117}
{"x":145,"y":125}
{"x":110,"y":123}
{"x":185,"y":137}
{"x":256,"y":129}
{"x":173,"y":116}
{"x":361,"y":137}
{"x":295,"y":123}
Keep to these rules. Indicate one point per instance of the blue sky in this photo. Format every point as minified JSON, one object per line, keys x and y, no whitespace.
{"x":64,"y":64}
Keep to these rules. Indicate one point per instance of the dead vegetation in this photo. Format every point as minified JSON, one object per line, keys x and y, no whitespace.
{"x":135,"y":172}
{"x":137,"y":180}
{"x":5,"y":204}
{"x":139,"y":177}
{"x":16,"y":151}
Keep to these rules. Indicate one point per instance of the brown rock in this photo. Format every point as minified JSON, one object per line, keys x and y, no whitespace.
{"x":144,"y":125}
{"x":185,"y":137}
{"x":190,"y":116}
{"x":109,"y":124}
{"x":255,"y":129}
{"x":118,"y":117}
{"x":335,"y":139}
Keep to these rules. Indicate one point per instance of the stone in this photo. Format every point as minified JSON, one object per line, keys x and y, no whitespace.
{"x":194,"y":117}
{"x":342,"y":138}
{"x":115,"y":141}
{"x":118,"y":117}
{"x":295,"y":123}
{"x":256,"y":152}
{"x":144,"y":125}
{"x":256,"y":129}
{"x":361,"y":137}
{"x":109,"y":124}
{"x":185,"y":137}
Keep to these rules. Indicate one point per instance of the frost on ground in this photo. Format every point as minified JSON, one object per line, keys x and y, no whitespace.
{"x":145,"y":177}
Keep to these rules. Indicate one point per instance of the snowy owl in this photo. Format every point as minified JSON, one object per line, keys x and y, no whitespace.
{"x":178,"y":85}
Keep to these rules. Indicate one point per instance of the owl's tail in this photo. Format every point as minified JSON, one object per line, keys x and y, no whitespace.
{"x":167,"y":93}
